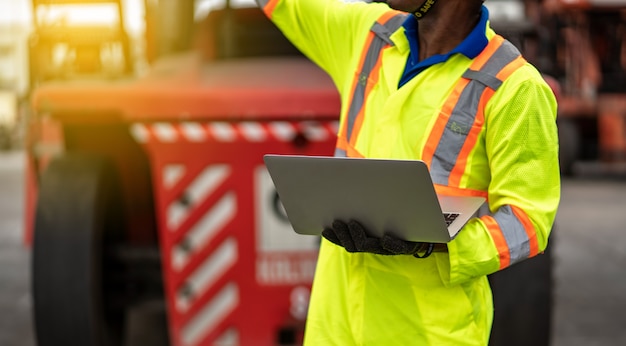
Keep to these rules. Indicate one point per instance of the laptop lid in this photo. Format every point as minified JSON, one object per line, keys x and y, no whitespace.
{"x":386,"y":196}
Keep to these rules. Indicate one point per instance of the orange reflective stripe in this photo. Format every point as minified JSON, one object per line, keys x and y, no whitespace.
{"x":512,"y":232}
{"x":484,"y":56}
{"x":268,"y":9}
{"x":342,"y":143}
{"x":440,"y":125}
{"x":354,"y":153}
{"x":472,"y":137}
{"x":358,"y":122}
{"x":461,"y":163}
{"x":511,"y":67}
{"x":459,"y":168}
{"x":344,"y":149}
{"x":442,"y":120}
{"x":357,"y":75}
{"x":459,"y":125}
{"x":343,"y":139}
{"x":388,"y":15}
{"x":448,"y":107}
{"x":529,"y":228}
{"x":367,"y":76}
{"x":366,"y":47}
{"x":342,"y":135}
{"x":456,"y":191}
{"x":499,"y":240}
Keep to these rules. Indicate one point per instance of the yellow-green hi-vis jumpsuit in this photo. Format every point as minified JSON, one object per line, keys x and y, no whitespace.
{"x":485,"y":126}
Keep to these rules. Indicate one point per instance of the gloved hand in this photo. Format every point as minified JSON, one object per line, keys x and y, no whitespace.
{"x":353,"y":237}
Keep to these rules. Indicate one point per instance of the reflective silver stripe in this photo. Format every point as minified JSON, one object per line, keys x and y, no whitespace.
{"x":383,"y":32}
{"x":380,"y":41}
{"x":464,"y":113}
{"x":262,"y":3}
{"x":514,"y":234}
{"x":485,"y":78}
{"x":340,"y":153}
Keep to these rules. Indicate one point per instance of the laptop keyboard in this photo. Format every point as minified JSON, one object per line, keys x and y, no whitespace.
{"x":450,"y":217}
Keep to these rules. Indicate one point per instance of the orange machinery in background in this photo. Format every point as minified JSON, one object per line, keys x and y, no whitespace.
{"x":580,"y":47}
{"x":585,"y":49}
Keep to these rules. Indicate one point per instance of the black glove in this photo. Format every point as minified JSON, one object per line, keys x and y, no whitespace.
{"x":353,"y":237}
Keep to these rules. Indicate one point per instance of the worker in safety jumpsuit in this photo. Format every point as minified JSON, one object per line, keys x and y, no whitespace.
{"x":428,"y":80}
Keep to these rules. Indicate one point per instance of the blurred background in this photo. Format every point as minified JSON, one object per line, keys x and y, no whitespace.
{"x":135,"y":209}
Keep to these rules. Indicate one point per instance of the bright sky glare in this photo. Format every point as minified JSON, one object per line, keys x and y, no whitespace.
{"x":19,"y":12}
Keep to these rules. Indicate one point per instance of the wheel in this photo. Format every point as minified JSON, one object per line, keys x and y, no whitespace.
{"x":78,"y":218}
{"x":523,"y":302}
{"x":569,"y":145}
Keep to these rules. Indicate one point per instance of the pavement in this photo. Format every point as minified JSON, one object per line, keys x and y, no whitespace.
{"x":15,"y":300}
{"x":591,"y":263}
{"x":590,"y":255}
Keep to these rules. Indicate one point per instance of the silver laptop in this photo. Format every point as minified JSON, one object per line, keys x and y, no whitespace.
{"x":385,"y":196}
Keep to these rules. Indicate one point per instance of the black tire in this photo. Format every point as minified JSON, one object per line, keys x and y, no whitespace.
{"x":569,"y":145}
{"x":78,"y":218}
{"x":523,"y":302}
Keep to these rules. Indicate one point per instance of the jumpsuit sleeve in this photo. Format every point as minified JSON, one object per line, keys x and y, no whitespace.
{"x":328,"y":32}
{"x":521,"y":144}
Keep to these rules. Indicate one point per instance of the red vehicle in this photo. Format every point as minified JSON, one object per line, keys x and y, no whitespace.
{"x":149,"y":209}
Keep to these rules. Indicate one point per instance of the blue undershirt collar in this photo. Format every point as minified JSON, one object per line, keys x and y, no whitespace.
{"x":471,"y":46}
